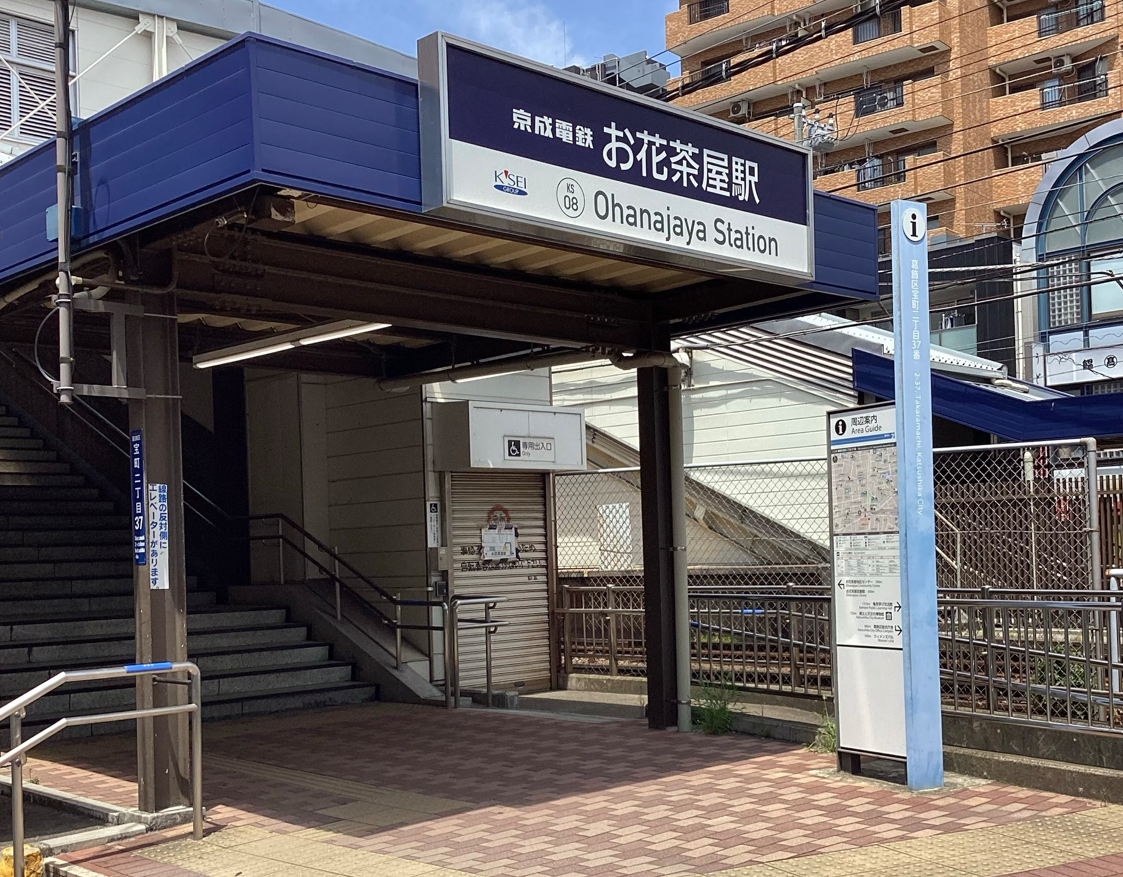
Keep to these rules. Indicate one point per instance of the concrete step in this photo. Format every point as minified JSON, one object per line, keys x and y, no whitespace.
{"x":76,"y":607}
{"x":41,"y":516}
{"x":84,"y":700}
{"x":14,"y":572}
{"x":20,"y":590}
{"x":23,"y":479}
{"x":99,"y":651}
{"x":230,"y":706}
{"x":8,"y":420}
{"x":47,"y":493}
{"x":21,"y":444}
{"x":15,"y":535}
{"x":16,"y":455}
{"x":27,"y":467}
{"x":215,"y":618}
{"x":120,"y":549}
{"x":14,"y":432}
{"x":585,"y":703}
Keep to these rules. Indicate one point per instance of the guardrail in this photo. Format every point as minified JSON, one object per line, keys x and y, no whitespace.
{"x":452,"y":641}
{"x":16,"y":711}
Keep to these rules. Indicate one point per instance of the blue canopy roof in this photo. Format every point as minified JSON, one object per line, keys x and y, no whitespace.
{"x":1003,"y":414}
{"x":260,"y":111}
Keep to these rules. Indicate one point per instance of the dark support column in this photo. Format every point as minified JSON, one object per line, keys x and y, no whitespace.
{"x":658,"y":570}
{"x":161,"y":615}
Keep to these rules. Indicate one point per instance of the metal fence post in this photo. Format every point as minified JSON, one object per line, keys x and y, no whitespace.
{"x":196,"y":681}
{"x":1092,"y":464}
{"x":15,"y":726}
{"x":988,"y":636}
{"x":487,"y":648}
{"x":613,"y":662}
{"x":281,"y":550}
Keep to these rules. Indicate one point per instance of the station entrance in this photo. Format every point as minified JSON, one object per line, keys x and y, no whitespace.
{"x":369,"y":373}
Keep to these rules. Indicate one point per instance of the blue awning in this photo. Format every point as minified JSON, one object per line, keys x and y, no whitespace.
{"x":1001,"y":412}
{"x":260,"y":111}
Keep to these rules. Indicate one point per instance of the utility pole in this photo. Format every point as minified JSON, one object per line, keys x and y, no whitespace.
{"x":797,"y":118}
{"x":65,"y":197}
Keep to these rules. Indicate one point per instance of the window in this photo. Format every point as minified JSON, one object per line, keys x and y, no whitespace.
{"x":955,"y":329}
{"x":1106,"y":284}
{"x":884,"y":240}
{"x":1053,"y":21}
{"x":874,"y":28}
{"x":1065,"y":301}
{"x":707,"y":9}
{"x":876,"y":99}
{"x":881,"y":170}
{"x":28,"y":79}
{"x":933,"y":222}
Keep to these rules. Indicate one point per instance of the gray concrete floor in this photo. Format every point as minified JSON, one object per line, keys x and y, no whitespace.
{"x":41,"y":821}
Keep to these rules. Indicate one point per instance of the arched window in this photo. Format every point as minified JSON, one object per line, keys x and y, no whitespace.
{"x":1082,"y":239}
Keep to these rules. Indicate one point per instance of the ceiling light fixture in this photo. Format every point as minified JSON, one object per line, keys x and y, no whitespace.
{"x":286,"y":341}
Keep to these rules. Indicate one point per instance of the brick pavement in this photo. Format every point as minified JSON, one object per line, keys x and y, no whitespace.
{"x":405,"y":791}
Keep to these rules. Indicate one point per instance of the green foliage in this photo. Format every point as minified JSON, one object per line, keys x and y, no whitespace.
{"x":826,"y":738}
{"x":714,"y":714}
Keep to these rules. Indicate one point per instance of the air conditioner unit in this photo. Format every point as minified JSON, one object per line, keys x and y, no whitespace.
{"x":1062,"y":63}
{"x":739,"y":109}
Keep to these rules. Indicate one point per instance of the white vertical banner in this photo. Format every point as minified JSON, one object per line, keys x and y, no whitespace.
{"x":158,"y":578}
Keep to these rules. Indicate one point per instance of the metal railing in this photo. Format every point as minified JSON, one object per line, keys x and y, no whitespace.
{"x":885,"y":171}
{"x":16,"y":711}
{"x":1044,"y":659}
{"x":763,"y":641}
{"x":875,"y":28}
{"x":1054,"y":95}
{"x":877,"y":99}
{"x":710,"y":74}
{"x":1014,"y":522}
{"x":703,"y":10}
{"x":385,"y":607}
{"x":487,"y":624}
{"x":1051,"y":23}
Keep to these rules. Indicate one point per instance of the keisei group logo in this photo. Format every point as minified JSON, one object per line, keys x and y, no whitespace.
{"x":512,"y":184}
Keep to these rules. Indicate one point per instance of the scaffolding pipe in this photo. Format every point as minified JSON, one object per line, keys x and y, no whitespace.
{"x":678,"y":548}
{"x":65,"y":301}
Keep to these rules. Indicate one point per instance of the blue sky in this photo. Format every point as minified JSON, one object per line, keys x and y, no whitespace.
{"x":533,"y":28}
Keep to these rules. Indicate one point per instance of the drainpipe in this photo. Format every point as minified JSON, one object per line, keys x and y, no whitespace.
{"x":65,"y":197}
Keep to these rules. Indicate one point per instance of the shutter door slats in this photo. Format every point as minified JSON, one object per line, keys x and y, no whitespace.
{"x":521,"y":650}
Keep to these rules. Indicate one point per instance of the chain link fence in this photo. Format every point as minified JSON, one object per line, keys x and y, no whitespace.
{"x":1026,"y":629}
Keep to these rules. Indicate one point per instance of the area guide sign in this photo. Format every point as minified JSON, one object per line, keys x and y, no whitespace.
{"x":866,"y":567}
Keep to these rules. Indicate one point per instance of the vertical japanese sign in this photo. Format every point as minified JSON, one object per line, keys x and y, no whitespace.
{"x":866,"y":582}
{"x":136,"y":497}
{"x":506,"y":142}
{"x":913,"y":385}
{"x":158,"y":578}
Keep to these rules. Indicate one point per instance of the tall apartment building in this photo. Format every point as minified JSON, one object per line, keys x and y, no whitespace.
{"x":958,"y":103}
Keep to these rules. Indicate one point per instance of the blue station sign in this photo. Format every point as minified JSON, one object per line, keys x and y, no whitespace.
{"x":513,"y":145}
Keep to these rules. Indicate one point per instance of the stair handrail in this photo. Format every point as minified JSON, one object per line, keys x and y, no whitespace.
{"x":16,"y":710}
{"x":228,"y":521}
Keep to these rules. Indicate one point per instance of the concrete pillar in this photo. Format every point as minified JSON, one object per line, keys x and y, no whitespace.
{"x":163,"y":744}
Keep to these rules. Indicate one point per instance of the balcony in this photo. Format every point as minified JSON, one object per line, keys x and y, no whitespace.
{"x":1030,"y":43}
{"x":1067,"y":94}
{"x":1014,"y":187}
{"x":1049,"y":24}
{"x":704,"y":10}
{"x":1050,"y":107}
{"x":822,"y":60}
{"x":893,"y":177}
{"x":699,"y":26}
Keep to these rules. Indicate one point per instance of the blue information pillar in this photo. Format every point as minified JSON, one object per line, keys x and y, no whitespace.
{"x":913,"y":366}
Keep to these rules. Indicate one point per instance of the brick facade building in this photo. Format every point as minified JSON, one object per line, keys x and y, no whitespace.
{"x":957,"y":103}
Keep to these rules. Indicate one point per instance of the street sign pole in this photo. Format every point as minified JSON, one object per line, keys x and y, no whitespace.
{"x":913,"y":376}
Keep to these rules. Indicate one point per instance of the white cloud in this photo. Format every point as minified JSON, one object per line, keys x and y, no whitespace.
{"x":522,"y":27}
